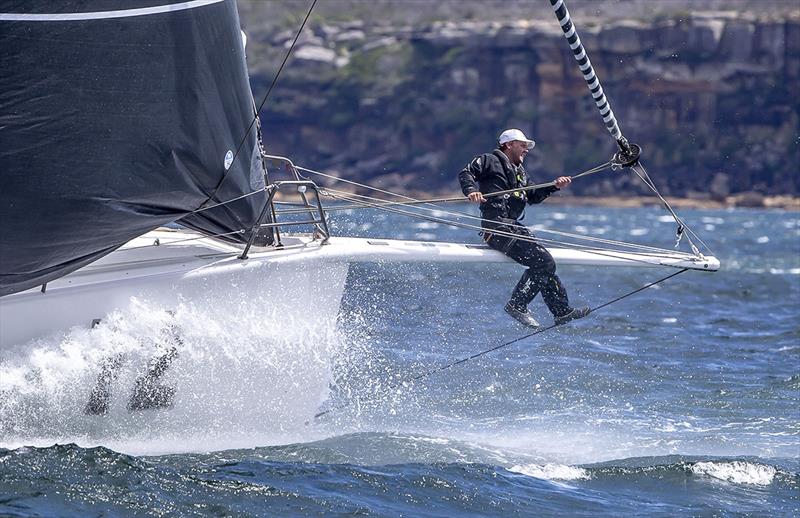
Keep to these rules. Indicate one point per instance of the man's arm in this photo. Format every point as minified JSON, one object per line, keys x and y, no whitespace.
{"x":468,"y":179}
{"x":541,"y":194}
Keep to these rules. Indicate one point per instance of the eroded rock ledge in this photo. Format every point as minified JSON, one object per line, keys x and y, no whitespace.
{"x":712,"y":99}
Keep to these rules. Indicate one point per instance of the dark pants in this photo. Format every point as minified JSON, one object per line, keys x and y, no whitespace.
{"x":540,"y":275}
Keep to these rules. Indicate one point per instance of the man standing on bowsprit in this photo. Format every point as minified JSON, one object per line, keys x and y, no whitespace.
{"x":502,"y":170}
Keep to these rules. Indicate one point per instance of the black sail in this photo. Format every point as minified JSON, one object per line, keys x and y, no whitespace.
{"x":116,"y":117}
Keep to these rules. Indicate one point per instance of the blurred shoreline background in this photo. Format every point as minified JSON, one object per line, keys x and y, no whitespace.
{"x":401,"y":94}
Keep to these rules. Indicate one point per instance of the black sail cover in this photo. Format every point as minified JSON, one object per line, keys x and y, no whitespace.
{"x":116,"y":117}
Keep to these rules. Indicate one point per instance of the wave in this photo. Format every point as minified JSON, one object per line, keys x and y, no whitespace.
{"x":744,"y":472}
{"x":551,"y":471}
{"x":737,"y":472}
{"x":398,"y":449}
{"x":435,"y":476}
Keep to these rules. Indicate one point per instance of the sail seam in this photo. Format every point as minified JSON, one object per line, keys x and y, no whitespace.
{"x":105,"y":15}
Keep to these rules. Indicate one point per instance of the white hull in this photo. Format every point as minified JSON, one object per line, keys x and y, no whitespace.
{"x":303,"y":276}
{"x":203,"y":271}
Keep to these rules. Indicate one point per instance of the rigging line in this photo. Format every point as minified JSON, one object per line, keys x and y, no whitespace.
{"x":277,"y":74}
{"x":678,"y":219}
{"x":621,"y":244}
{"x":266,"y":96}
{"x":363,"y":204}
{"x":638,"y":249}
{"x":609,"y":253}
{"x":196,"y":238}
{"x":641,"y":250}
{"x":484,"y":352}
{"x":413,"y":201}
{"x":366,"y":204}
{"x":645,"y":178}
{"x":378,"y":203}
{"x":662,"y":252}
{"x":245,"y":195}
{"x":681,"y":224}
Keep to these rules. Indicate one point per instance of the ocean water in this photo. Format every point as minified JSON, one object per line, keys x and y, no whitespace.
{"x":682,"y":400}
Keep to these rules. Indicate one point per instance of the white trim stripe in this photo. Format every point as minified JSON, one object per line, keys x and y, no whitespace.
{"x":104,"y":15}
{"x":558,"y":4}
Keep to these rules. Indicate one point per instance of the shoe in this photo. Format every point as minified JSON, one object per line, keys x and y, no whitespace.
{"x":575,"y":314}
{"x":521,"y":315}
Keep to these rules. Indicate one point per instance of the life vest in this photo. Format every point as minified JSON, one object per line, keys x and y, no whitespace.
{"x":514,"y":203}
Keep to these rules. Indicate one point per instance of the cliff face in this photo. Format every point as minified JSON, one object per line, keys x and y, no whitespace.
{"x":713,"y":100}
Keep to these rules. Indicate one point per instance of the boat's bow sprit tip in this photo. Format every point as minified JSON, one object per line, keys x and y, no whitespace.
{"x":711,"y":264}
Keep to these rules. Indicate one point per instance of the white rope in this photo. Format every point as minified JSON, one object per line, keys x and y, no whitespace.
{"x":533,"y":239}
{"x":363,"y":201}
{"x":366,"y":202}
{"x":376,"y":203}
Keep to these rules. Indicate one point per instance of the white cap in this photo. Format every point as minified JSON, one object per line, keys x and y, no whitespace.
{"x":511,"y":135}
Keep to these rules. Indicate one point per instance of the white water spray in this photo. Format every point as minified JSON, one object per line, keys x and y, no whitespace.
{"x":243,"y":376}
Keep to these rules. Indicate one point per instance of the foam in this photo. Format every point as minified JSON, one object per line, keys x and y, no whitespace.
{"x":244,"y":376}
{"x":551,"y":471}
{"x":737,"y":472}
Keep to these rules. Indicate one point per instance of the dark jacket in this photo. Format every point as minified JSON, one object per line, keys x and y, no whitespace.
{"x":493,"y":172}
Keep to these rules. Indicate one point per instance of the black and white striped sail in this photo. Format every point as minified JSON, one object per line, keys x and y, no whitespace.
{"x":117,"y":117}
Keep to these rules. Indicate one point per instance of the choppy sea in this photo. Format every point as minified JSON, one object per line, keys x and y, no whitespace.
{"x":683,"y":400}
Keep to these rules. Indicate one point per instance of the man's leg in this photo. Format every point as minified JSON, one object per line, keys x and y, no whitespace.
{"x":542,"y":269}
{"x":553,"y":293}
{"x":542,"y":275}
{"x":525,"y":290}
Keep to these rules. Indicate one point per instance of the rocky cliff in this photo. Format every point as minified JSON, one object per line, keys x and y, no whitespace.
{"x":712,"y":98}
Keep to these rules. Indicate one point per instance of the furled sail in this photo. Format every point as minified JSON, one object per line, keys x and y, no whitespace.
{"x":116,"y":117}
